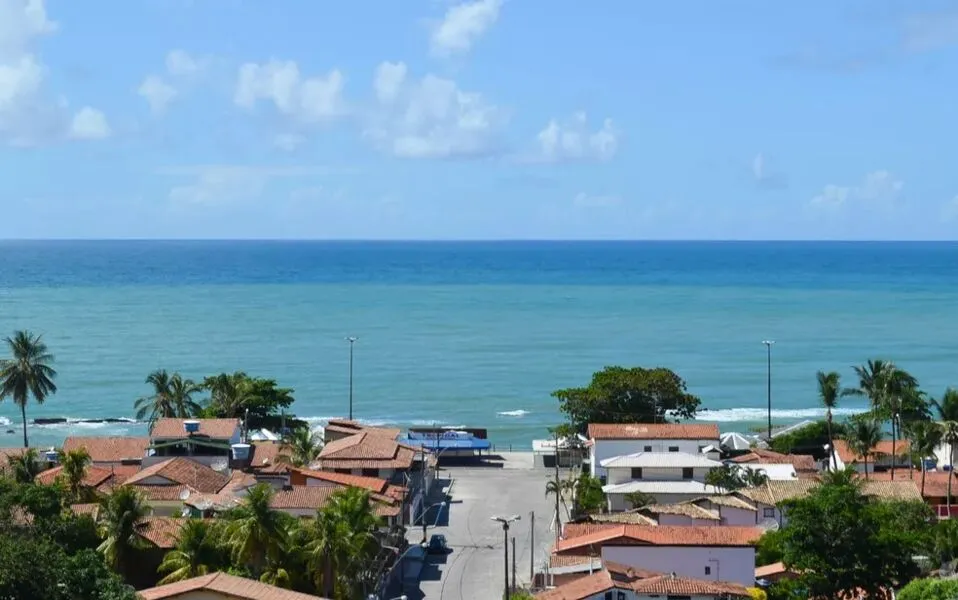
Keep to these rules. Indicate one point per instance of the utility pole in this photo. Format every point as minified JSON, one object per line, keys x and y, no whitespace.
{"x":352,"y":340}
{"x":558,"y":491}
{"x":532,"y":546}
{"x":768,"y":347}
{"x":513,"y":564}
{"x":505,"y":547}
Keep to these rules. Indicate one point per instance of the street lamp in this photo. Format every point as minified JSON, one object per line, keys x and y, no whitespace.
{"x":425,"y":512}
{"x":768,"y":348}
{"x":352,"y":340}
{"x":505,"y":530}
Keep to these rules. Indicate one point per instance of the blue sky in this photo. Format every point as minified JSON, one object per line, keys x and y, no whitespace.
{"x":489,"y":119}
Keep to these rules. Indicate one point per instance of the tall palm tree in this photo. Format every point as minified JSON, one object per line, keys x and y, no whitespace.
{"x":886,"y":386}
{"x":257,"y":533}
{"x":829,"y":389}
{"x":172,"y":397}
{"x":301,"y":447}
{"x":345,"y":541}
{"x":28,"y":373}
{"x":925,"y":437}
{"x":196,"y":553}
{"x":121,"y":513}
{"x":25,"y":466}
{"x":229,"y":393}
{"x":74,"y":463}
{"x":864,"y":434}
{"x":947,"y":413}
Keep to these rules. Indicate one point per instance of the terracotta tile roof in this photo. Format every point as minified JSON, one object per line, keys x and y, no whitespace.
{"x":373,"y":484}
{"x":801,"y":462}
{"x":774,"y":492}
{"x":883,"y":447}
{"x":621,"y":571}
{"x":314,"y":497}
{"x":216,"y":502}
{"x":581,"y":588}
{"x":936,"y":482}
{"x":769,"y":570}
{"x":726,"y":500}
{"x":351,"y":427}
{"x":216,"y":429}
{"x":366,"y":451}
{"x":657,"y":585}
{"x":183,"y":471}
{"x":109,"y":449}
{"x":238,"y":481}
{"x":91,"y":509}
{"x":92,"y":477}
{"x":162,"y":532}
{"x":629,"y":516}
{"x":558,"y":561}
{"x":664,"y":535}
{"x":266,"y":457}
{"x":650,"y":431}
{"x":684,"y":509}
{"x":223,"y":586}
{"x":162,"y":493}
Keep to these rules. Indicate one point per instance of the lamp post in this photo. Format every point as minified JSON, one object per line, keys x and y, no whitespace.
{"x":768,"y":348}
{"x":425,"y":512}
{"x":352,"y":340}
{"x":505,"y":530}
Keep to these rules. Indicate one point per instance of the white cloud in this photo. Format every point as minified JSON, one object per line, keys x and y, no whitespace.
{"x":879,"y":189}
{"x":583,"y":200}
{"x":179,"y":63}
{"x":431,"y":117}
{"x":289,"y":141}
{"x":572,"y":140}
{"x":218,"y":185}
{"x":463,"y":25}
{"x":764,"y":175}
{"x":157,"y":92}
{"x":89,"y":124}
{"x":304,"y":99}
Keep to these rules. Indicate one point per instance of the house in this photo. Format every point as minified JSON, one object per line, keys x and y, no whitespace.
{"x":620,"y":582}
{"x":731,"y":509}
{"x":118,"y":450}
{"x":165,"y":485}
{"x":768,"y":497}
{"x":668,"y":473}
{"x":608,"y":440}
{"x":879,"y":459}
{"x":45,"y":459}
{"x":775,"y":471}
{"x":774,"y":572}
{"x":304,"y":501}
{"x":221,"y":586}
{"x":664,"y":492}
{"x":684,"y":513}
{"x":935,"y":492}
{"x":268,"y":463}
{"x":209,"y":441}
{"x":95,"y":478}
{"x":338,"y":429}
{"x":702,"y":552}
{"x":804,"y":465}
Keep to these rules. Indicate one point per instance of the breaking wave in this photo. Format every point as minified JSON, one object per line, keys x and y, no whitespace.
{"x":730,"y":415}
{"x":513,"y":413}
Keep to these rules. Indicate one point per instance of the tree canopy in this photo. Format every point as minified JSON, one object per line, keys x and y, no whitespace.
{"x":628,"y":395}
{"x":258,"y":400}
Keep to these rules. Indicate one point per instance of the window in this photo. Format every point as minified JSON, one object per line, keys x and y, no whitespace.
{"x":602,"y":480}
{"x":370,"y":472}
{"x":620,"y":596}
{"x":687,"y":473}
{"x":647,"y":449}
{"x":343,"y":471}
{"x":608,"y":596}
{"x":636,"y":472}
{"x":769,"y":513}
{"x":708,"y":570}
{"x":673,"y":448}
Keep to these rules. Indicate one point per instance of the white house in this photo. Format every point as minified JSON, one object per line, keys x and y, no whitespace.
{"x":701,"y":552}
{"x":731,"y":509}
{"x":669,"y":476}
{"x":208,"y":441}
{"x":608,"y":440}
{"x":777,"y":472}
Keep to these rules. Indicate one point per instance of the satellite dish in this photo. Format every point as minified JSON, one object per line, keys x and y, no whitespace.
{"x":185,"y":513}
{"x":184,"y":495}
{"x":219,"y":465}
{"x":769,"y":525}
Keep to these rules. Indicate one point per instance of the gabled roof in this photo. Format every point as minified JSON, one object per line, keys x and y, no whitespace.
{"x":801,"y":462}
{"x":162,"y":532}
{"x":183,"y":471}
{"x":685,"y":486}
{"x":882,"y":448}
{"x":266,"y":457}
{"x":653,"y":431}
{"x":109,"y":449}
{"x":215,"y":429}
{"x":624,"y":578}
{"x":774,"y":492}
{"x":225,"y":586}
{"x":653,"y":460}
{"x":726,"y":500}
{"x":93,"y":476}
{"x":352,"y":427}
{"x":366,"y":451}
{"x":684,"y":509}
{"x":664,"y":535}
{"x":315,"y":497}
{"x":936,"y":482}
{"x":373,"y":484}
{"x":633,"y":517}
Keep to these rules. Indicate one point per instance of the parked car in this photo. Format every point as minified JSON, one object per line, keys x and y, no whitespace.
{"x":437,"y":544}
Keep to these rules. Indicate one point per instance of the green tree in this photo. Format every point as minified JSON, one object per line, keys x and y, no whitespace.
{"x":197,"y":553}
{"x":301,"y":447}
{"x":838,"y":540}
{"x":863,"y":435}
{"x":120,"y":514}
{"x":589,"y":497}
{"x":257,"y":400}
{"x":621,"y":395}
{"x":639,"y":499}
{"x":809,"y":439}
{"x":888,"y":389}
{"x":355,"y":545}
{"x":829,"y":390}
{"x":947,"y":412}
{"x":74,"y":463}
{"x":25,"y":466}
{"x":735,"y":477}
{"x":257,"y":533}
{"x":172,"y":397}
{"x":28,"y":373}
{"x":929,"y":589}
{"x":924,"y":438}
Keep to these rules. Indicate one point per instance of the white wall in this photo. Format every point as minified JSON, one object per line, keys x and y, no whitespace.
{"x":737,"y":516}
{"x":603,"y":449}
{"x":624,"y":474}
{"x":727,"y":564}
{"x":617,"y":502}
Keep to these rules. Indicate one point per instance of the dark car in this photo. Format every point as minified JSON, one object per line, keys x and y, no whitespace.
{"x":437,"y":544}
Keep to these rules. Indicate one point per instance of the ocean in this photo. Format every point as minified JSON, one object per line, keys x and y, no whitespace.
{"x":474,"y":333}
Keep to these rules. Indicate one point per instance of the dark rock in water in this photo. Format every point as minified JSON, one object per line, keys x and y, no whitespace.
{"x":10,"y":431}
{"x":106,"y":420}
{"x":50,"y":421}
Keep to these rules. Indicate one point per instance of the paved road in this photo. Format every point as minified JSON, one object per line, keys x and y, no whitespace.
{"x":474,"y":569}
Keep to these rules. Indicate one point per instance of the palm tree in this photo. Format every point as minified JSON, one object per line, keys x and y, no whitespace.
{"x":301,"y":447}
{"x":829,"y":389}
{"x":171,"y":397}
{"x":257,"y":532}
{"x":345,"y":541}
{"x":947,"y":409}
{"x":864,"y":434}
{"x":886,"y":386}
{"x":74,"y":465}
{"x":25,"y":466}
{"x":121,"y":513}
{"x":196,"y":553}
{"x":639,"y":499}
{"x":925,"y":438}
{"x":229,"y":393}
{"x":27,"y":373}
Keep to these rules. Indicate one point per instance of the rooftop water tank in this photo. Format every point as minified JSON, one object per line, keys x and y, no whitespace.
{"x":241,"y":451}
{"x":50,"y":455}
{"x":191,"y":426}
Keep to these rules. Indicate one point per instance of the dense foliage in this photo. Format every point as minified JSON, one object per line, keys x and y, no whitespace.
{"x":621,"y":395}
{"x":930,"y":589}
{"x":810,"y":439}
{"x":731,"y":477}
{"x":589,"y":497}
{"x":27,"y":373}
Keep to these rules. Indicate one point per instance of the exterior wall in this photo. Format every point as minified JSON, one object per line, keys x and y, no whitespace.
{"x":624,"y":474}
{"x":769,"y":512}
{"x":726,"y":563}
{"x":166,"y":508}
{"x":617,"y":502}
{"x":603,"y":449}
{"x":666,"y":519}
{"x":737,"y":516}
{"x":208,"y":460}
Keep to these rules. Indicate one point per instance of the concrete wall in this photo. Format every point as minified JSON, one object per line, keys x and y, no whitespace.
{"x":603,"y":449}
{"x":666,"y":519}
{"x":725,"y":564}
{"x":737,"y":516}
{"x":624,"y":474}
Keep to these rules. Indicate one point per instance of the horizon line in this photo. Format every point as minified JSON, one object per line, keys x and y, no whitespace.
{"x":495,"y":240}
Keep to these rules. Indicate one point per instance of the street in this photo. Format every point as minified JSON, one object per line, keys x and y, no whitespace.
{"x":474,"y":570}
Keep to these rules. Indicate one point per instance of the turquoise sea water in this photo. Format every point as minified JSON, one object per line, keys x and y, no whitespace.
{"x":474,"y":334}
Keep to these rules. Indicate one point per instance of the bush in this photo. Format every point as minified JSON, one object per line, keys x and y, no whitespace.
{"x":757,"y":594}
{"x":930,"y":589}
